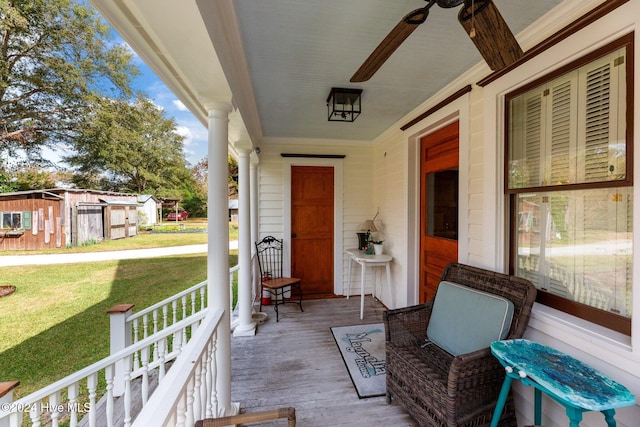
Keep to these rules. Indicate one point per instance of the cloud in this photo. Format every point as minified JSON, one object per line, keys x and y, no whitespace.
{"x":179,"y":105}
{"x":185,"y":132}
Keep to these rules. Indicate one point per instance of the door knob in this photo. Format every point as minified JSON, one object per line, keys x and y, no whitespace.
{"x":294,"y":235}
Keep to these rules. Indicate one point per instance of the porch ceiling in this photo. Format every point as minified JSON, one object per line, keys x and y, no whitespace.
{"x":276,"y":60}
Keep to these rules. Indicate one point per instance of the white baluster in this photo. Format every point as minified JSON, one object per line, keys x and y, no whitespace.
{"x":162,"y":351}
{"x":108,"y":373}
{"x":165,"y":311}
{"x":155,"y":331}
{"x":204,"y":360}
{"x":174,"y":307}
{"x":214,"y":375}
{"x":193,"y":302}
{"x":73,"y":400}
{"x":15,"y":419}
{"x":145,"y":375}
{"x":136,"y":331}
{"x":176,"y":345}
{"x":54,"y":401}
{"x":197,"y":403}
{"x":203,"y":299}
{"x":92,"y":385}
{"x":35,"y":414}
{"x":127,"y":391}
{"x":189,"y":409}
{"x":184,"y":306}
{"x":183,"y":339}
{"x":209,"y":380}
{"x":180,"y":409}
{"x":184,"y":316}
{"x":145,"y":325}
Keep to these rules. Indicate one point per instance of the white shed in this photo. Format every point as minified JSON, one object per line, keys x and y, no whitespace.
{"x":150,"y":207}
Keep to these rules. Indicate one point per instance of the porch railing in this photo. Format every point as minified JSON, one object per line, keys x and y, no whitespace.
{"x":189,"y":392}
{"x":167,"y":312}
{"x":156,"y":335}
{"x":159,"y":316}
{"x":77,"y":395}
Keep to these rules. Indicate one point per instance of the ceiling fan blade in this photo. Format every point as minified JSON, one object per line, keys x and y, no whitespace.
{"x":391,"y":42}
{"x":490,"y":33}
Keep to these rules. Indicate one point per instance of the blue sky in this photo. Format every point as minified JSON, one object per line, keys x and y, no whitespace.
{"x":195,"y":134}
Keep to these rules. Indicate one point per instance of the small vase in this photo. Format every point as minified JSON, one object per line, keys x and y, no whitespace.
{"x":377,"y":249}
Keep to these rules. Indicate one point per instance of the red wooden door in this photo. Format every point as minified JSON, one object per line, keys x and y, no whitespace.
{"x":438,"y":206}
{"x":312,"y":229}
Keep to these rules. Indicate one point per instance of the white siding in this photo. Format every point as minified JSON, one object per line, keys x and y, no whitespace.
{"x":357,"y":188}
{"x":384,"y":175}
{"x":390,"y":183}
{"x":476,"y":187}
{"x":610,"y":352}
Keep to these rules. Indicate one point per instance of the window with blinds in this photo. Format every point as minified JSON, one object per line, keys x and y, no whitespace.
{"x":569,"y":184}
{"x":570,"y":130}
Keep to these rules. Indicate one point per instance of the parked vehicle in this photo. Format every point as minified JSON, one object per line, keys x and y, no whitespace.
{"x":181,"y":215}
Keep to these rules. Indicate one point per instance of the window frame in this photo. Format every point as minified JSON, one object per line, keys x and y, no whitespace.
{"x":623,"y":42}
{"x":12,"y":213}
{"x":609,"y":320}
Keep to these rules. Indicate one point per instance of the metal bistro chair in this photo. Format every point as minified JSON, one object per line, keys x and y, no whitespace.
{"x":269,"y":253}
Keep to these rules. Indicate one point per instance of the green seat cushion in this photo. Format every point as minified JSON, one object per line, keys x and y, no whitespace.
{"x":464,"y":319}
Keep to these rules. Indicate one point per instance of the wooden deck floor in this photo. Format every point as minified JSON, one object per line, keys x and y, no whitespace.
{"x":296,"y":362}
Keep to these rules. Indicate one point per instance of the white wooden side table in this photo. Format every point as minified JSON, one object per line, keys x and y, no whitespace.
{"x":365,"y":261}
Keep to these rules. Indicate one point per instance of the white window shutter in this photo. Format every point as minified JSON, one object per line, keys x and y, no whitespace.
{"x":603,"y":153}
{"x":533,"y":137}
{"x":562,"y":133}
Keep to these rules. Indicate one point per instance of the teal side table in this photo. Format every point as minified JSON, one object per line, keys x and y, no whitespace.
{"x":572,"y":383}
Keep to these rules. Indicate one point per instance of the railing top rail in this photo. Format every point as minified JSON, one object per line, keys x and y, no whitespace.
{"x":110,"y":360}
{"x":164,"y":302}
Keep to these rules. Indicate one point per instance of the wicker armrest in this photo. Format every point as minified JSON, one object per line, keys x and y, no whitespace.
{"x":407,"y":325}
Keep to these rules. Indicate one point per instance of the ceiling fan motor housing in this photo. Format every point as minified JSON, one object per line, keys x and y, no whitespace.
{"x":449,"y":3}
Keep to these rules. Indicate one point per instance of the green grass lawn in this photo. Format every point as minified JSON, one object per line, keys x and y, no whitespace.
{"x":56,"y":322}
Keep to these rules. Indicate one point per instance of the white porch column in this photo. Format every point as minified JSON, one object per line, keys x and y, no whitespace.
{"x":253,"y":173}
{"x":246,"y":327}
{"x":218,"y":285}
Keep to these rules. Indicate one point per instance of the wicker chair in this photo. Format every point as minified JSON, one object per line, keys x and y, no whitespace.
{"x":435,"y":387}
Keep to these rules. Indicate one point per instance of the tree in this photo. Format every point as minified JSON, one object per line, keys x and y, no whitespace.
{"x":54,"y":62}
{"x":232,"y":167}
{"x":200,"y":174}
{"x":130,"y":147}
{"x":33,"y":178}
{"x":195,"y":198}
{"x":6,"y":186}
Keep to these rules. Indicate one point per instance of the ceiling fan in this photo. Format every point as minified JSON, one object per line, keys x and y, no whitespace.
{"x":480,"y":19}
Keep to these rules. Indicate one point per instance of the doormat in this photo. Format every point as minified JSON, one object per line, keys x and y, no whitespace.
{"x":363,"y":351}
